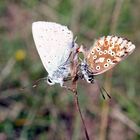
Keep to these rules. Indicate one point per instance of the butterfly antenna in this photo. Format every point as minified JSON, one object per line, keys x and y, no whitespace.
{"x":102,"y":90}
{"x":106,"y":92}
{"x":102,"y":93}
{"x":35,"y":84}
{"x":38,"y":81}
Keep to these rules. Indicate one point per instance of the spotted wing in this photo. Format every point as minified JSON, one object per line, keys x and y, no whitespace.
{"x":107,"y":52}
{"x":54,"y":43}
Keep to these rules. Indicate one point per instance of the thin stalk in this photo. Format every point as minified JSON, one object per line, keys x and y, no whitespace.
{"x":81,"y":116}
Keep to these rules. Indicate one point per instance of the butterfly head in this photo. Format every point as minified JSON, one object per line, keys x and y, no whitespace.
{"x":55,"y":78}
{"x":50,"y":81}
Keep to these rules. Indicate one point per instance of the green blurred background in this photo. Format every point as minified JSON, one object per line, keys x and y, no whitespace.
{"x":48,"y":112}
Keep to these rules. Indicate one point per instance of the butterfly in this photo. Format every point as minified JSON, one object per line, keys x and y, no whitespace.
{"x":105,"y":53}
{"x":55,"y":45}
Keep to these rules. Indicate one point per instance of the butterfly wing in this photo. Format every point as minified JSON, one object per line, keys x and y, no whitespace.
{"x":107,"y":52}
{"x":53,"y":42}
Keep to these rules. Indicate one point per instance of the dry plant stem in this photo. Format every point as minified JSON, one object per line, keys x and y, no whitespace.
{"x":115,"y":15}
{"x":79,"y":110}
{"x":75,"y":76}
{"x":119,"y":115}
{"x":74,"y":90}
{"x":77,"y":8}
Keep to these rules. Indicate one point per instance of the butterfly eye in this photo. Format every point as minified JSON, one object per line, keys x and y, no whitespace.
{"x":106,"y":65}
{"x":98,"y":68}
{"x":49,"y":81}
{"x":90,"y":80}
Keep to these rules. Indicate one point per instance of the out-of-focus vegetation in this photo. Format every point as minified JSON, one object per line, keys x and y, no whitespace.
{"x":48,"y":112}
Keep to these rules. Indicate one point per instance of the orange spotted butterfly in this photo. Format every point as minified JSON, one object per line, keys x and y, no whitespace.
{"x":105,"y":53}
